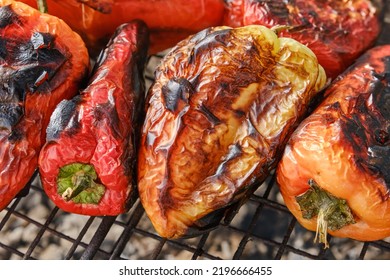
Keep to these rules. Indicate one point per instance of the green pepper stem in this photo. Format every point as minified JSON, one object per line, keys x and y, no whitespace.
{"x":42,"y":6}
{"x":76,"y":182}
{"x":332,"y":212}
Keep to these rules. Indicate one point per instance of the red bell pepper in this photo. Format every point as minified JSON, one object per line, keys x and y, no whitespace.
{"x":334,"y":175}
{"x":86,"y":165}
{"x":169,"y":21}
{"x":42,"y":61}
{"x":336,"y":31}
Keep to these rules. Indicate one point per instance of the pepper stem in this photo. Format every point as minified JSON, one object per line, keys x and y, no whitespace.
{"x":42,"y":6}
{"x":279,"y":28}
{"x":332,"y":212}
{"x":76,"y":182}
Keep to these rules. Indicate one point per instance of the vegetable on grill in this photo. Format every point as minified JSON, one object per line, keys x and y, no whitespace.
{"x":42,"y":61}
{"x":88,"y":161}
{"x":336,"y":31}
{"x":223,"y":104}
{"x":335,"y":172}
{"x":169,"y":21}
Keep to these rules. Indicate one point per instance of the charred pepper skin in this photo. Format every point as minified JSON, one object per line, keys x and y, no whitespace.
{"x":223,"y":103}
{"x":338,"y":32}
{"x":88,"y":161}
{"x":344,"y":148}
{"x":42,"y":61}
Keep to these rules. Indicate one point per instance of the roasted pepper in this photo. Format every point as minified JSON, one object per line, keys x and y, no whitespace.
{"x":223,"y":104}
{"x":335,"y":172}
{"x":336,"y":31}
{"x":42,"y":61}
{"x":169,"y":21}
{"x":87,"y":163}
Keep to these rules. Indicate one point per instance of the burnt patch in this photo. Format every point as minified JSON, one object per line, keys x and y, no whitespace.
{"x":379,"y":161}
{"x":33,"y":55}
{"x":33,"y":64}
{"x":63,"y":117}
{"x":175,"y":90}
{"x":3,"y":49}
{"x":277,"y":7}
{"x":367,"y":126}
{"x":39,"y":52}
{"x":214,"y":120}
{"x":16,"y":135}
{"x":10,"y":114}
{"x":41,"y":40}
{"x":210,"y":41}
{"x":106,"y":113}
{"x":7,"y":16}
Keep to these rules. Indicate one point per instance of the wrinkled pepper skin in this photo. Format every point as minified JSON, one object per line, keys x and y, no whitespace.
{"x":169,"y":21}
{"x":223,"y":103}
{"x":42,"y":61}
{"x":98,"y":130}
{"x":344,"y":147}
{"x":336,"y":31}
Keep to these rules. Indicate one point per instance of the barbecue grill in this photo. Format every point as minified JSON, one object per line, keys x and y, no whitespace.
{"x":32,"y":227}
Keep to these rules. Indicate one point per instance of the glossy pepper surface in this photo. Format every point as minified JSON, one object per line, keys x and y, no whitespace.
{"x":42,"y":61}
{"x":223,"y":103}
{"x":336,"y":31}
{"x":335,"y":172}
{"x":169,"y":21}
{"x":87,"y":163}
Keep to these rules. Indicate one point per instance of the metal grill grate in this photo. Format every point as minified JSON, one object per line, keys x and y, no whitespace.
{"x":31,"y":227}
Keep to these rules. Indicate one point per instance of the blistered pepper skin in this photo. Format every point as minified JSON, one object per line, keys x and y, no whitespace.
{"x":42,"y":61}
{"x":344,"y":147}
{"x":93,"y":137}
{"x":169,"y":21}
{"x":223,"y":103}
{"x":337,"y":31}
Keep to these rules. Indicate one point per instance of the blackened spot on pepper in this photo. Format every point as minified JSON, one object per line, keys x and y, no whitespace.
{"x":379,"y":148}
{"x":16,"y":135}
{"x":39,"y":51}
{"x":11,"y":101}
{"x":41,"y":40}
{"x":214,"y":120}
{"x":10,"y":114}
{"x":211,"y":41}
{"x":379,"y":162}
{"x":367,"y":126}
{"x":3,"y":49}
{"x":29,"y":79}
{"x":276,"y":7}
{"x":7,"y":16}
{"x":200,"y":35}
{"x":35,"y":63}
{"x":107,"y":113}
{"x":175,"y":90}
{"x":63,"y":117}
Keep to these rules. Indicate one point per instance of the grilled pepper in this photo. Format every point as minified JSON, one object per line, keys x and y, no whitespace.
{"x":336,"y":31}
{"x":335,"y":172}
{"x":42,"y":61}
{"x":169,"y":21}
{"x":87,"y":163}
{"x":223,"y":103}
